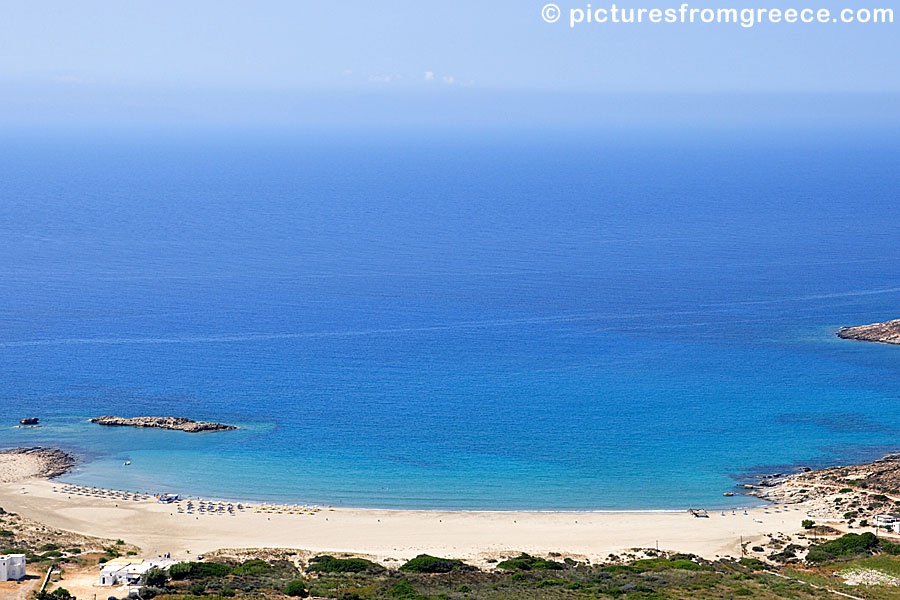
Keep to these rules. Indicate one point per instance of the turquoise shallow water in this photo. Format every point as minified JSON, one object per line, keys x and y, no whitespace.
{"x":582,"y":322}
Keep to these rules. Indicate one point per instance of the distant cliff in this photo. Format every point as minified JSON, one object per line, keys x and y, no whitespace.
{"x":883,"y":333}
{"x":173,"y":423}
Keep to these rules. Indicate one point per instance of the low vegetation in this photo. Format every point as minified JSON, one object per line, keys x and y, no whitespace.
{"x":526,"y":562}
{"x":210,"y":580}
{"x":831,"y":566}
{"x":851,"y":545}
{"x":425,"y":563}
{"x":330,"y":564}
{"x":523,"y":576}
{"x":198,"y":570}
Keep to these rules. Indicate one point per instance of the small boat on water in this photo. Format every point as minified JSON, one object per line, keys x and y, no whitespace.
{"x":728,"y":494}
{"x":127,"y":462}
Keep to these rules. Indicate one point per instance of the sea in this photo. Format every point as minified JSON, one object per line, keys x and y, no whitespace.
{"x":505,"y":320}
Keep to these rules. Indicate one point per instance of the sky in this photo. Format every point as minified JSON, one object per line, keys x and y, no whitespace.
{"x":334,"y":59}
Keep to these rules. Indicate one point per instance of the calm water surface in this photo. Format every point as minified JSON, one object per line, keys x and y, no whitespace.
{"x":604,"y":321}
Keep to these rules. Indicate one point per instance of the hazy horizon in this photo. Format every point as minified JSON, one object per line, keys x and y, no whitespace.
{"x":360,"y":64}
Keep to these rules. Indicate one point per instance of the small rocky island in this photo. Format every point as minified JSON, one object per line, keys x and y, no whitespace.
{"x":882,"y":333}
{"x":172,"y":423}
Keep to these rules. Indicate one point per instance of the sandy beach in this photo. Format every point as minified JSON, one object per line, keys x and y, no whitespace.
{"x":28,"y":463}
{"x":15,"y":467}
{"x":386,"y":535}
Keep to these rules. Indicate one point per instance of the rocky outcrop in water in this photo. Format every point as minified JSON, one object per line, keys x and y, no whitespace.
{"x":882,"y":333}
{"x":172,"y":423}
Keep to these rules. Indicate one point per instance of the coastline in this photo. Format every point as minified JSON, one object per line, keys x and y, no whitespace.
{"x":886,"y":332}
{"x":387,"y":534}
{"x":749,"y":500}
{"x":390,"y":535}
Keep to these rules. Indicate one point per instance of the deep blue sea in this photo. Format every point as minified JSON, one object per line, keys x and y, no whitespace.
{"x":595,"y":320}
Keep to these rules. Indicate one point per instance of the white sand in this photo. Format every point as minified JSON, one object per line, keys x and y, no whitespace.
{"x":18,"y":467}
{"x":386,"y":534}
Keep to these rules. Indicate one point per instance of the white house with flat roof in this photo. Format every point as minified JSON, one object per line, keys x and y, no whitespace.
{"x":886,"y":520}
{"x":127,"y":571}
{"x":12,"y":566}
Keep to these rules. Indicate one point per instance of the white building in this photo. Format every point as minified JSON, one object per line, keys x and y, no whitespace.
{"x":885,"y":520}
{"x":12,"y":566}
{"x":128,"y":571}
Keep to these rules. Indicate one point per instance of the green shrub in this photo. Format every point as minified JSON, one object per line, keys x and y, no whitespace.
{"x":851,"y":544}
{"x":154,"y":578}
{"x":297,"y":589}
{"x":330,"y":564}
{"x":57,"y":594}
{"x":677,"y":561}
{"x":197,"y":589}
{"x":253,"y":568}
{"x":752,"y":563}
{"x":526,"y":562}
{"x":403,"y":590}
{"x":6,"y":533}
{"x":808,"y":523}
{"x":432,"y":564}
{"x":619,"y":569}
{"x":198,"y":570}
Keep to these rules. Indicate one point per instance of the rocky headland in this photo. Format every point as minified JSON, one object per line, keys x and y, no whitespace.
{"x":846,"y":496}
{"x":882,"y":333}
{"x":171,"y":423}
{"x":24,"y":463}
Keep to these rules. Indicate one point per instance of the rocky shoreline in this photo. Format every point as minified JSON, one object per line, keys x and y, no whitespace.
{"x":881,"y":333}
{"x":170,"y":423}
{"x":53,"y":462}
{"x":849,"y":495}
